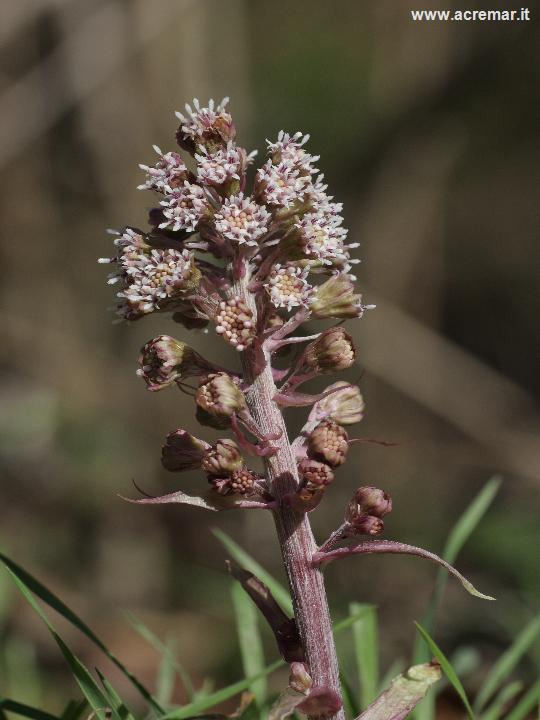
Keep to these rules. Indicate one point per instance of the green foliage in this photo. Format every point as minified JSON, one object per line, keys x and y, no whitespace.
{"x":105,"y":702}
{"x":249,"y":637}
{"x":366,"y":648}
{"x":245,"y":560}
{"x":507,"y":662}
{"x":447,"y":669}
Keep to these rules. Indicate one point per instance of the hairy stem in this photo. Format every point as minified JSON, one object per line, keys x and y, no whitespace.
{"x":294,"y":530}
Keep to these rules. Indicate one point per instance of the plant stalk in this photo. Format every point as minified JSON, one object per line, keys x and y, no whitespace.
{"x":294,"y":530}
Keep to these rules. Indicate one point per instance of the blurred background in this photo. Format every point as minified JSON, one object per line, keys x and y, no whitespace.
{"x":430,"y":135}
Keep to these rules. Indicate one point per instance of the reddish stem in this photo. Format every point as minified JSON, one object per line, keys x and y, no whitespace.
{"x":293,"y":528}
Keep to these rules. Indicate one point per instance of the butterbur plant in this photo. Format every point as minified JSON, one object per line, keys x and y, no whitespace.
{"x":254,"y":262}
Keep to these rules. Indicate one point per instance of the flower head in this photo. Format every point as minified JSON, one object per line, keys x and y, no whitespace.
{"x":344,"y":404}
{"x":222,"y":166}
{"x":329,"y":442}
{"x":333,"y":350}
{"x":289,"y":150}
{"x":168,"y":172}
{"x":151,"y":278}
{"x":368,"y":501}
{"x":234,"y":322}
{"x":287,"y":286}
{"x":165,"y":360}
{"x":183,"y":451}
{"x":315,"y":475}
{"x":336,"y":298}
{"x":242,"y":220}
{"x":281,"y":185}
{"x":210,"y":126}
{"x":184,"y":207}
{"x":223,"y":458}
{"x":220,"y":395}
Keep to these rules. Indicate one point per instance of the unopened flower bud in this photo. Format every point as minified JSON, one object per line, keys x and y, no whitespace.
{"x":344,"y":404}
{"x":223,"y":458}
{"x":299,"y":678}
{"x":336,"y":299}
{"x":220,"y":395}
{"x":368,"y":501}
{"x":234,"y":321}
{"x":366,"y":525}
{"x":329,"y":442}
{"x":218,"y":422}
{"x":164,"y":360}
{"x":243,"y":481}
{"x":315,"y":475}
{"x":332,"y":351}
{"x":182,"y":451}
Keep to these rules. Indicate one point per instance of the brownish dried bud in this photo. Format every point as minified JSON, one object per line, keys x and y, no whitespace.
{"x":234,"y":322}
{"x":182,"y":451}
{"x":223,"y":458}
{"x":165,"y":360}
{"x":315,"y":475}
{"x":336,"y":299}
{"x":331,"y":352}
{"x":329,"y":442}
{"x":368,"y":501}
{"x":366,"y":525}
{"x":220,"y":395}
{"x":345,"y":404}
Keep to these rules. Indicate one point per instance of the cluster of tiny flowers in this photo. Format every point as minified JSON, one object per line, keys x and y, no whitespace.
{"x":287,"y":286}
{"x":242,"y":220}
{"x":234,"y":322}
{"x":219,"y":167}
{"x":184,"y":207}
{"x":149,"y":276}
{"x":200,"y":122}
{"x":166,"y":174}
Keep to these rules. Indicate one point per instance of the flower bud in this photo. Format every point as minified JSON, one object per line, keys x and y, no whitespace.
{"x":243,"y":481}
{"x":234,"y":321}
{"x":220,"y":395}
{"x":345,"y":404}
{"x":368,"y":501}
{"x":336,"y":299}
{"x":332,"y":351}
{"x":218,"y":422}
{"x":315,"y":475}
{"x":365,"y":525}
{"x":223,"y":458}
{"x":299,"y":678}
{"x":182,"y":451}
{"x":329,"y":442}
{"x":164,"y":360}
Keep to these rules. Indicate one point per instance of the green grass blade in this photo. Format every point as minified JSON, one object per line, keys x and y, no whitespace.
{"x":459,"y":535}
{"x":366,"y":648}
{"x":350,"y":705}
{"x":74,"y":709}
{"x":166,"y":676}
{"x":86,"y":682}
{"x":26,"y":711}
{"x":114,"y":698}
{"x":202,"y":704}
{"x":526,"y":704}
{"x":507,"y":662}
{"x":447,"y":669}
{"x":31,"y":585}
{"x":153,"y":640}
{"x":496,"y":709}
{"x":249,"y":637}
{"x":248,"y":563}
